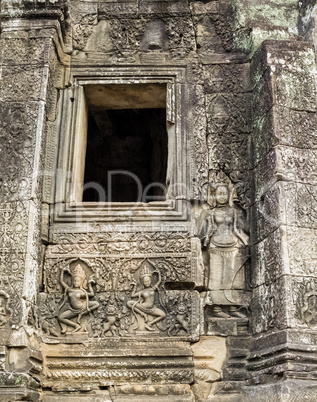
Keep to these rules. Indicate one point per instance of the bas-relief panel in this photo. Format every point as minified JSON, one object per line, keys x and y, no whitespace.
{"x":224,"y":234}
{"x":227,"y":78}
{"x":299,"y":299}
{"x":129,"y":38}
{"x":214,"y":31}
{"x":228,"y":138}
{"x":138,"y":306}
{"x":304,"y":295}
{"x":223,"y":229}
{"x":19,"y":119}
{"x":6,"y":311}
{"x":302,"y":249}
{"x":13,"y":91}
{"x":228,"y":127}
{"x":267,"y":302}
{"x":21,"y":51}
{"x":198,"y":127}
{"x":13,"y":244}
{"x":283,"y":203}
{"x":121,"y":284}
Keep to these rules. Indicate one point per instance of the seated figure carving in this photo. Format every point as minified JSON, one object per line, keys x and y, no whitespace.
{"x":76,"y":301}
{"x":145,"y":311}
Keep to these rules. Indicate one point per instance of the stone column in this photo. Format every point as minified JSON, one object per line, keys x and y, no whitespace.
{"x":27,"y":58}
{"x":284,"y":306}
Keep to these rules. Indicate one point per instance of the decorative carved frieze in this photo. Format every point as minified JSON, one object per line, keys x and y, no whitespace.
{"x":19,"y":119}
{"x":129,"y":297}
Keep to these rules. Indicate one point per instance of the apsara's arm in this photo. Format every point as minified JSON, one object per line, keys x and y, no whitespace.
{"x":62,"y":278}
{"x":134,"y":293}
{"x":91,"y":292}
{"x":159,"y":279}
{"x":210,"y":227}
{"x":240,"y":232}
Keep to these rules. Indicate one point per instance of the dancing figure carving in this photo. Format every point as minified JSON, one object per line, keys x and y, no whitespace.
{"x":144,"y":307}
{"x":76,"y":301}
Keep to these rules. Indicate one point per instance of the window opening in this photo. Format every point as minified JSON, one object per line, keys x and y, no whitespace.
{"x":127,"y":143}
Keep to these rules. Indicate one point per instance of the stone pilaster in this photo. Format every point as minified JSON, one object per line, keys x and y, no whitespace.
{"x":284,"y":217}
{"x":27,"y":54}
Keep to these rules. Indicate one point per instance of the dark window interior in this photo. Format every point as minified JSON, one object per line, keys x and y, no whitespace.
{"x":130,"y":140}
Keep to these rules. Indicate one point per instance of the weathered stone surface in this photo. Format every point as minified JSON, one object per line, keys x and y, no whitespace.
{"x":119,"y":361}
{"x":77,"y":396}
{"x":210,"y":292}
{"x":209,"y":357}
{"x":286,"y":391}
{"x":284,"y":103}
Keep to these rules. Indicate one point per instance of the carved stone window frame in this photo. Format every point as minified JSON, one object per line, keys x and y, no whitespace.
{"x":73,"y":133}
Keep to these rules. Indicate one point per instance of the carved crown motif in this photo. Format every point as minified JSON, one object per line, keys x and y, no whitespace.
{"x":217,"y":179}
{"x":146,"y":269}
{"x":79,"y":271}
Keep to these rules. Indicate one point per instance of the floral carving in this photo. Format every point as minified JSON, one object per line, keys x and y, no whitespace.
{"x":180,"y":33}
{"x":126,"y":35}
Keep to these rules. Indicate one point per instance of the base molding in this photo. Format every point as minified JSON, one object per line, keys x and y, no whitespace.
{"x":9,"y":394}
{"x":126,"y":393}
{"x":287,"y":390}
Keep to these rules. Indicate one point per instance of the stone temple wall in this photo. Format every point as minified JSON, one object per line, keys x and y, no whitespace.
{"x":206,"y":294}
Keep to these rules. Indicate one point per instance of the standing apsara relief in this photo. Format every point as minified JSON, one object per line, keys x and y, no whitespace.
{"x":223,"y":231}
